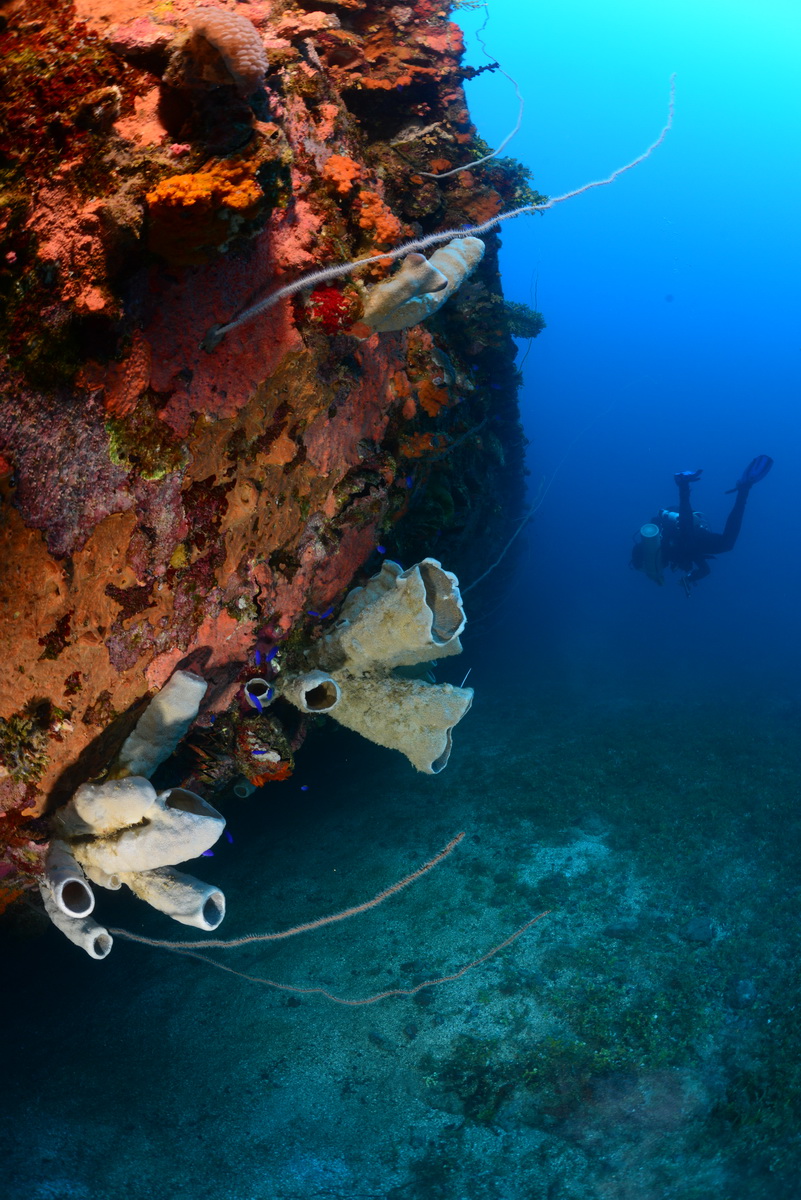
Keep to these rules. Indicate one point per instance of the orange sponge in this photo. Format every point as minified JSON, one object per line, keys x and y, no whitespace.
{"x":192,"y":216}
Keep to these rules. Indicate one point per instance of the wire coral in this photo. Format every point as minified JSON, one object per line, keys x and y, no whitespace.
{"x":194,"y":949}
{"x":238,"y":43}
{"x":217,"y":332}
{"x":194,"y":215}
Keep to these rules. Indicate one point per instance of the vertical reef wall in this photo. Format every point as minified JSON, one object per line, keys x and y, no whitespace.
{"x":165,"y":506}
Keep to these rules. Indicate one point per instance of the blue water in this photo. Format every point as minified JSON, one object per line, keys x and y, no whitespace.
{"x":672,"y":303}
{"x":630,"y":765}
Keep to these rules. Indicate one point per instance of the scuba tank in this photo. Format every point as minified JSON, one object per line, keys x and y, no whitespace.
{"x":650,"y":538}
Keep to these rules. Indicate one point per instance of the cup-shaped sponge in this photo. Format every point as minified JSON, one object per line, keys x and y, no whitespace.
{"x":400,"y":618}
{"x":421,"y":286}
{"x":404,"y":714}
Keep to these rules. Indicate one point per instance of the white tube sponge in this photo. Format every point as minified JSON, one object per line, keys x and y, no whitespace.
{"x":180,"y":896}
{"x":404,"y":714}
{"x":416,"y":291}
{"x":83,"y":931}
{"x":112,"y":883}
{"x":163,"y":724}
{"x":65,"y":883}
{"x":398,"y":619}
{"x":177,"y":826}
{"x":106,"y":808}
{"x":312,"y":692}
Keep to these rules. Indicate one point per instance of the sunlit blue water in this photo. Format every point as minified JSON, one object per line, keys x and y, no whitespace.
{"x":672,"y":302}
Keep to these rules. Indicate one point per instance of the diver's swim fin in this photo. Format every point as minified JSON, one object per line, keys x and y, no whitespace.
{"x":757,"y":469}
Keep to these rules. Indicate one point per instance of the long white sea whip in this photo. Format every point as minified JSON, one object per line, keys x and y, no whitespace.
{"x":217,"y":332}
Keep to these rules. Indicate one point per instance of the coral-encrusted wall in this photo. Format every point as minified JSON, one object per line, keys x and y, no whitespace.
{"x":166,"y":506}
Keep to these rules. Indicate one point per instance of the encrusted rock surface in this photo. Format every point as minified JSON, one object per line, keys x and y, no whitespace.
{"x":164,"y":506}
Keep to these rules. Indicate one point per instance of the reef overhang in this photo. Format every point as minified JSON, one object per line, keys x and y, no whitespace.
{"x":165,"y":507}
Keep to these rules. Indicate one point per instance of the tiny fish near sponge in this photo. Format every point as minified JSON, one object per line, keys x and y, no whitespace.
{"x":238,"y":43}
{"x":421,"y":286}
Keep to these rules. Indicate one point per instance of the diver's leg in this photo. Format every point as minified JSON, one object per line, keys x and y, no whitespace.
{"x":685,"y":530}
{"x":717,"y":543}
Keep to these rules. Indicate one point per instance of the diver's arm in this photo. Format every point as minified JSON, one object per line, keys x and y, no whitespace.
{"x":699,"y":571}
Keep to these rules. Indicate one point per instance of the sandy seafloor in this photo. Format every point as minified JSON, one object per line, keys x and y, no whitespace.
{"x":642,"y":1041}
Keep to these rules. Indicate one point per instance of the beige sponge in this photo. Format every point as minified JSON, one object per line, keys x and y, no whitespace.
{"x":398,"y":619}
{"x":404,"y":714}
{"x":180,"y":896}
{"x":421,"y":286}
{"x":311,"y":692}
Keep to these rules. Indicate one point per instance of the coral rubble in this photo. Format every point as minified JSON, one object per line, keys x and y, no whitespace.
{"x":165,"y":507}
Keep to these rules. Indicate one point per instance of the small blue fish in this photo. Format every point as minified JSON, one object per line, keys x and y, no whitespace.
{"x":257,"y":656}
{"x":304,"y":787}
{"x":270,"y":655}
{"x":207,"y":854}
{"x":229,"y":837}
{"x":381,"y":549}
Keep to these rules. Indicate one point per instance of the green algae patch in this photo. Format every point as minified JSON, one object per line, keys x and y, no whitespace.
{"x":144,"y":444}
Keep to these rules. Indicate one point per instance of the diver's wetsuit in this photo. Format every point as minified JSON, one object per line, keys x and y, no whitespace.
{"x":688,"y":545}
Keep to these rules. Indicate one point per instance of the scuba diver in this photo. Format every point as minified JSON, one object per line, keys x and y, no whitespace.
{"x":683,"y":540}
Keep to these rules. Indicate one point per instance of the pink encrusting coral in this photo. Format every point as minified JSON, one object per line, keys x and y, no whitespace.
{"x":237,"y":41}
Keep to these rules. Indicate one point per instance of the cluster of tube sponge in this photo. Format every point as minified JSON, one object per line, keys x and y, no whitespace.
{"x":362,"y":671}
{"x":121,"y":831}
